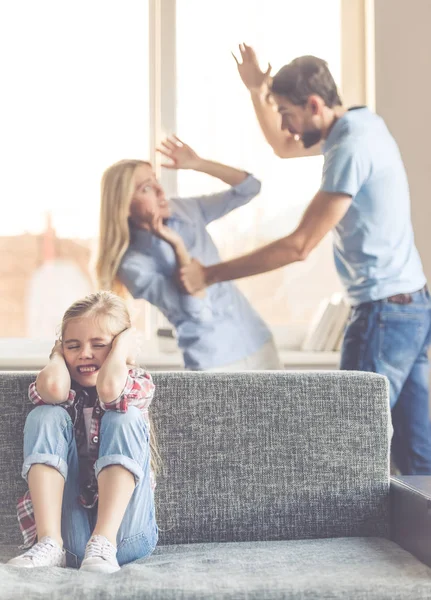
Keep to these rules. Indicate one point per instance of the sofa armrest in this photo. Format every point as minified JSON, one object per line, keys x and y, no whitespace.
{"x":411,"y":514}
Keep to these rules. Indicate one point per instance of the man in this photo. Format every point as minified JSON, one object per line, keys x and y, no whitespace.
{"x":364,"y":200}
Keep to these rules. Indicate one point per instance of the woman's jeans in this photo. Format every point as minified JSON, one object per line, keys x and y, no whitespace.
{"x":124,"y":440}
{"x":393,"y":340}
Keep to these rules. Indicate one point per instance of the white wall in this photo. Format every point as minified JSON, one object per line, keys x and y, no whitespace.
{"x":403,"y":99}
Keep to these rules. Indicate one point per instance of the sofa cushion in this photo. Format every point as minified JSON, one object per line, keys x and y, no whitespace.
{"x":343,"y":568}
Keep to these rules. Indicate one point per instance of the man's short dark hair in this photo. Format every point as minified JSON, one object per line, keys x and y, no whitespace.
{"x":303,"y":77}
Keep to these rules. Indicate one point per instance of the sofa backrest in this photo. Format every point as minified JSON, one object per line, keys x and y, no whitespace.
{"x":248,"y":456}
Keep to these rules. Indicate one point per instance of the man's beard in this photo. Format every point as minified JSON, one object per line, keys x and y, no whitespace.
{"x":311,"y":137}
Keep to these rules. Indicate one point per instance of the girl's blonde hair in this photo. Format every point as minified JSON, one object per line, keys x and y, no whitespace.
{"x":116,"y":317}
{"x":100,"y":304}
{"x":117,"y":189}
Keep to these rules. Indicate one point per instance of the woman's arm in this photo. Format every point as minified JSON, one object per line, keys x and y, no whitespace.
{"x":243,"y":186}
{"x":182,"y":256}
{"x":138,"y":274}
{"x":53,"y":382}
{"x":183,"y":157}
{"x":229,"y":175}
{"x":162,"y":231}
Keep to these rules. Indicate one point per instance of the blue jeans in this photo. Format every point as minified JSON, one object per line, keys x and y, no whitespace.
{"x":393,"y":340}
{"x":124,"y":440}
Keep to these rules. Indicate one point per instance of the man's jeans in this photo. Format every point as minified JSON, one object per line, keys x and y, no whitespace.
{"x":124,"y":440}
{"x":393,"y":339}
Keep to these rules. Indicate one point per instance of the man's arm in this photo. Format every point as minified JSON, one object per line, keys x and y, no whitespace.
{"x":322,"y":215}
{"x":282,"y":142}
{"x":257,"y":82}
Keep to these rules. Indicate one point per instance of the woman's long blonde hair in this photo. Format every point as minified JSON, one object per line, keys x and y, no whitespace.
{"x":117,"y":189}
{"x":116,"y":318}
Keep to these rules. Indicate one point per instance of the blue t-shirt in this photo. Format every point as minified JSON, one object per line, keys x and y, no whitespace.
{"x":374,"y":248}
{"x":213,"y":331}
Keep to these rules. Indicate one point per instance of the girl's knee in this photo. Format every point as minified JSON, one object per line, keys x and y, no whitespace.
{"x":47,"y":414}
{"x":133,"y":416}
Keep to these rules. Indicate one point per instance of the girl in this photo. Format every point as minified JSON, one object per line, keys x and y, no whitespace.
{"x":144,"y":238}
{"x":87,"y":447}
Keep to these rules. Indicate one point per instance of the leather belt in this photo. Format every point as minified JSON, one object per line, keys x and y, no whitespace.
{"x":403,"y":298}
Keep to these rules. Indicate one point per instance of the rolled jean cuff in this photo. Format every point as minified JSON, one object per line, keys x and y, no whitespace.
{"x":50,"y":460}
{"x":124,"y":461}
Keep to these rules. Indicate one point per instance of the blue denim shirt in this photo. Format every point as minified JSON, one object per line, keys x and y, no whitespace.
{"x":213,"y":331}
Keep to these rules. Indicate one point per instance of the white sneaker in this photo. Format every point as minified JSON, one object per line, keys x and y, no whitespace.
{"x":46,"y":553}
{"x":100,"y":556}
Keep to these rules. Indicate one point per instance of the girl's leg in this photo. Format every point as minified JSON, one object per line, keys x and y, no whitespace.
{"x":52,"y":469}
{"x":46,"y":487}
{"x":138,"y":533}
{"x":48,"y":433}
{"x":126,"y":504}
{"x":48,"y":443}
{"x":75,"y":519}
{"x":116,"y":485}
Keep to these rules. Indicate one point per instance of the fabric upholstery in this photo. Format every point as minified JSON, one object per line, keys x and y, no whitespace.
{"x":275,"y":485}
{"x":336,"y":569}
{"x":249,"y":456}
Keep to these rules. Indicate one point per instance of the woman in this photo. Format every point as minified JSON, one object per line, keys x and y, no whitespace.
{"x":144,"y":238}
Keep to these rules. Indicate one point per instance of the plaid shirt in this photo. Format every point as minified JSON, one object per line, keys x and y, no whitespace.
{"x":138,"y":391}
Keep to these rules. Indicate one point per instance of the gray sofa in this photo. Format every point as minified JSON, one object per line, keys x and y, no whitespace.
{"x":275,"y":486}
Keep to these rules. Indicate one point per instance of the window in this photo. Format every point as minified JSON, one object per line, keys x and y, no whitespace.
{"x":77,"y":81}
{"x":215,"y":116}
{"x":89,"y":83}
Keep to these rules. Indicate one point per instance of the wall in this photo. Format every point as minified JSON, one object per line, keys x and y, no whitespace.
{"x":403,"y":93}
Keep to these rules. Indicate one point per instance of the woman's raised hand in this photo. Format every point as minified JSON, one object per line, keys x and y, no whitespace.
{"x":181,"y":155}
{"x":251,"y":74}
